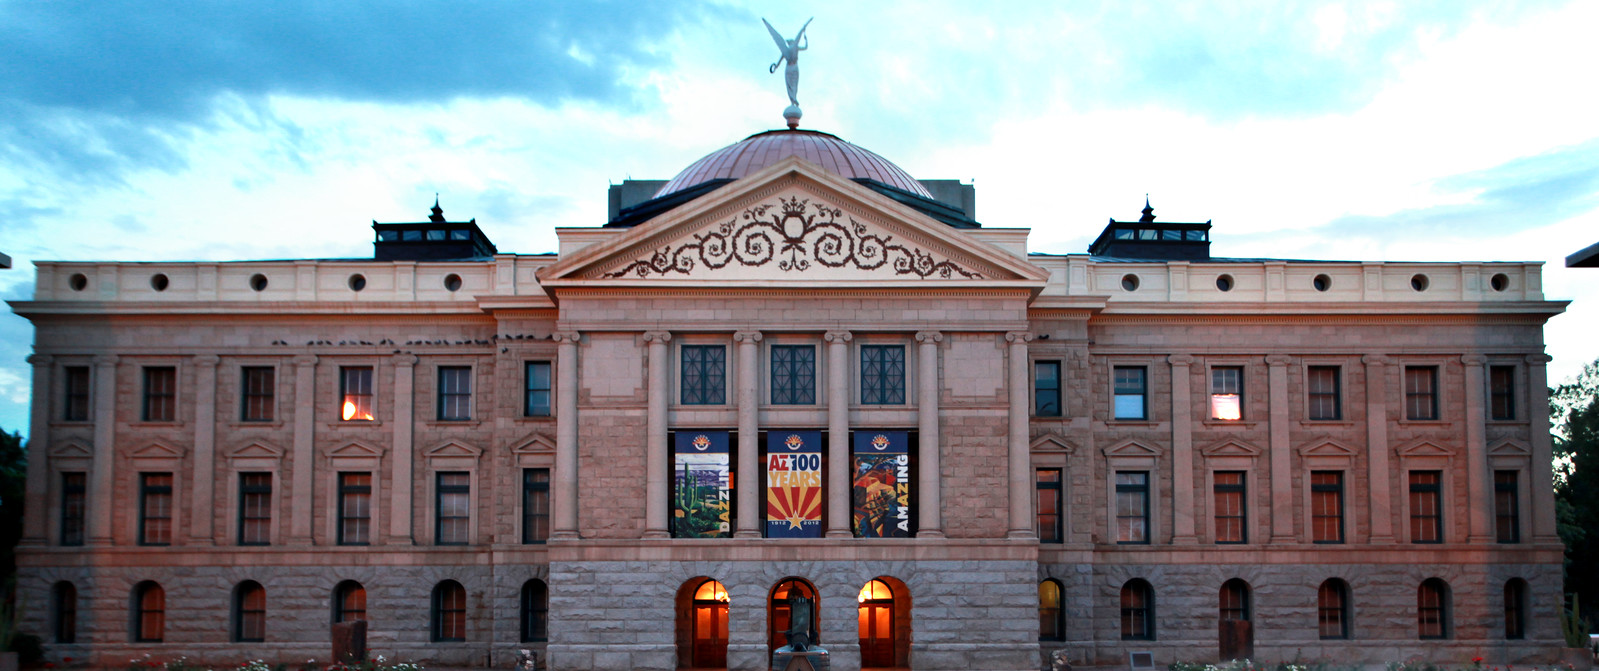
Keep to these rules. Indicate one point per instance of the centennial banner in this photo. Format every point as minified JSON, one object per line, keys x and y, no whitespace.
{"x":882,"y":490}
{"x":794,"y":484}
{"x":701,"y":501}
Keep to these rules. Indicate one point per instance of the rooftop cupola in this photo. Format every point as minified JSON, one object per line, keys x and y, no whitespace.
{"x":436,"y":239}
{"x":1145,"y":240}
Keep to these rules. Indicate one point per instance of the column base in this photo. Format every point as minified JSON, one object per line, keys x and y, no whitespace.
{"x":839,"y":534}
{"x":1381,"y":540}
{"x":745,"y":533}
{"x":930,"y":533}
{"x":1021,"y":533}
{"x":656,"y":533}
{"x":1185,"y":540}
{"x":565,"y":536}
{"x":1482,"y":540}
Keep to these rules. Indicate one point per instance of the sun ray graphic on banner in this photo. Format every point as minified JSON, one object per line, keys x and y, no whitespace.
{"x":794,"y":505}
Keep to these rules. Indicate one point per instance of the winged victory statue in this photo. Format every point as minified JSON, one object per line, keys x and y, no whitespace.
{"x":788,"y":50}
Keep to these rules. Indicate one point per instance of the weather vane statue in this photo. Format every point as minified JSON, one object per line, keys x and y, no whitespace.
{"x":789,"y":51}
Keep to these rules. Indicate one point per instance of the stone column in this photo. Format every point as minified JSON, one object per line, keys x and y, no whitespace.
{"x":1542,"y":477}
{"x":105,"y":433}
{"x":929,"y":474}
{"x":1021,"y":480}
{"x":749,"y":476}
{"x":202,"y":480}
{"x":1282,"y":475}
{"x":304,"y":454}
{"x":1377,"y":457}
{"x":401,"y":528}
{"x":1479,"y":487}
{"x":1182,"y":450}
{"x":563,"y":501}
{"x":37,"y":487}
{"x":655,"y":466}
{"x":838,"y":447}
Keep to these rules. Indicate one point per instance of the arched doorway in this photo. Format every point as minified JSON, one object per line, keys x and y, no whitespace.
{"x":1237,"y":636}
{"x":877,"y":624}
{"x":777,"y":615}
{"x":702,"y":624}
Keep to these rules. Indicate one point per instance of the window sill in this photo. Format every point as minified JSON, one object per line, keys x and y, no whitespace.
{"x":70,"y":423}
{"x":143,"y":424}
{"x":1425,"y":422}
{"x":273,"y":424}
{"x":450,"y":423}
{"x":354,"y":423}
{"x":1508,"y":422}
{"x":1132,"y":422}
{"x":1326,"y":422}
{"x":535,"y":418}
{"x":1238,"y":423}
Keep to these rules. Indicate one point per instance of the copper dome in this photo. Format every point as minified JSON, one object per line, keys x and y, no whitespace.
{"x":756,"y":152}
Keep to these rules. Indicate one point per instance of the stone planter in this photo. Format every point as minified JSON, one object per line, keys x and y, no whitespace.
{"x":1580,"y":659}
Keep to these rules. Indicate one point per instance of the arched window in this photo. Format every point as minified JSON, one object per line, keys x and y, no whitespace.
{"x":1332,"y":609}
{"x":1051,"y":617}
{"x":249,"y":612}
{"x":149,"y":612}
{"x":1515,"y":609}
{"x":1432,"y":609}
{"x":1234,"y":600}
{"x":1138,"y":611}
{"x":535,"y":611}
{"x":449,"y":611}
{"x":64,"y":604}
{"x":349,"y":602}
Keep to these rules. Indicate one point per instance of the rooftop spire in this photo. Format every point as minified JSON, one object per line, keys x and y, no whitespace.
{"x":1149,"y":212}
{"x":438,"y":212}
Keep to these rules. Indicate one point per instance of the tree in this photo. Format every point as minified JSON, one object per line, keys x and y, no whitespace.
{"x":1574,"y":417}
{"x":13,"y":474}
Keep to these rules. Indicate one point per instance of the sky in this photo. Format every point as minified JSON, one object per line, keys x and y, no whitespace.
{"x":1398,"y":131}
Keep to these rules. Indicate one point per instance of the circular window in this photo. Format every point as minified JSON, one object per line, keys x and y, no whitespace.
{"x":78,"y":281}
{"x":258,"y":282}
{"x":357,"y":282}
{"x":1224,"y":282}
{"x":1499,"y":282}
{"x":159,"y":282}
{"x":1130,"y":282}
{"x":1321,"y":282}
{"x":452,"y":282}
{"x":1418,"y":282}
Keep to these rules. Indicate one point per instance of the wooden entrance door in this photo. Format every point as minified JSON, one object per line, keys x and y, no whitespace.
{"x":710,"y":626}
{"x":877,"y":625}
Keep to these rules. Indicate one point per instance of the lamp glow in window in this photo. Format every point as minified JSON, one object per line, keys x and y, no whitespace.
{"x":1227,"y":393}
{"x":1225,"y":406}
{"x":711,"y":590}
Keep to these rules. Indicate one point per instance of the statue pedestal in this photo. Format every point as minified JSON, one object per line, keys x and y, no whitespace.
{"x":786,"y":659}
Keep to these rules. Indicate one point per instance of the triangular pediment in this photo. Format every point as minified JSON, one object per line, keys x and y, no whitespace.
{"x":70,"y":449}
{"x":533,"y":442}
{"x":1326,"y":447}
{"x":1131,"y":448}
{"x":1230,"y":448}
{"x":1509,"y":447}
{"x":793,"y":222}
{"x":256,"y":449}
{"x":156,"y":451}
{"x":1053,"y":442}
{"x":1423,"y":448}
{"x":453,"y":449}
{"x":355,"y":448}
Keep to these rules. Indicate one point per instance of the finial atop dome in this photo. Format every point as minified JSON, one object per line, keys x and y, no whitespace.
{"x":788,"y":50}
{"x":438,"y":212}
{"x":1149,"y":212}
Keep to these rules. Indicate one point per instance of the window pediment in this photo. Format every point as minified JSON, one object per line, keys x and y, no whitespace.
{"x":1509,"y":447}
{"x":70,"y":449}
{"x":1327,"y":448}
{"x":1423,"y":448}
{"x":157,"y":451}
{"x":453,"y":448}
{"x":1053,"y":442}
{"x":355,"y":449}
{"x":1131,"y":448}
{"x":533,"y":443}
{"x":1230,"y":448}
{"x":256,"y":449}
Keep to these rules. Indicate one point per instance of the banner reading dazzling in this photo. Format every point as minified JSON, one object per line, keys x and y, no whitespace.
{"x":701,"y":501}
{"x":882,"y":490}
{"x":794,"y":484}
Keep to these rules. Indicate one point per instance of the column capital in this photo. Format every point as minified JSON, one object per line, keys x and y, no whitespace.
{"x":1015,"y":337}
{"x":40,"y":359}
{"x":305,"y":360}
{"x":406,"y":360}
{"x":1279,"y":360}
{"x":929,"y":337}
{"x":662,"y":337}
{"x":1180,"y":360}
{"x":750,"y":337}
{"x":1375,"y":360}
{"x":838,"y":336}
{"x":207,"y":360}
{"x":1539,"y":359}
{"x":571,"y":337}
{"x":106,"y":360}
{"x":1476,"y":360}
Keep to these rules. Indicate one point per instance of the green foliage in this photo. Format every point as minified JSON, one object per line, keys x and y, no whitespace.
{"x":1572,"y":626}
{"x":1574,"y":420}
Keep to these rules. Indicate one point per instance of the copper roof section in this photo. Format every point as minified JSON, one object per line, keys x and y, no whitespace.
{"x":761,"y":150}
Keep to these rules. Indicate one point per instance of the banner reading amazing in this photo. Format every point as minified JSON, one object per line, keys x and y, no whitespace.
{"x":794,"y":484}
{"x":882,"y":490}
{"x":700,"y":498}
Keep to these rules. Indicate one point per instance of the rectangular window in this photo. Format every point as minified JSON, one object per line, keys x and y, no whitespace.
{"x":1507,"y":507}
{"x":75,"y":407}
{"x":535,"y":505}
{"x":1131,"y":392}
{"x":1049,"y":506}
{"x":704,"y":375}
{"x":1132,"y":507}
{"x":1421,"y":392}
{"x":882,"y":374}
{"x":73,"y":488}
{"x":160,"y":393}
{"x":1227,"y":393}
{"x":355,"y":508}
{"x":255,"y":508}
{"x":259,"y":387}
{"x":155,"y":508}
{"x":1327,"y":506}
{"x":1502,"y":392}
{"x":1426,"y":512}
{"x":355,"y":392}
{"x":1046,"y":389}
{"x":1229,"y":492}
{"x":455,"y":393}
{"x":536,"y":389}
{"x":454,"y":508}
{"x":1321,"y":382}
{"x":793,"y":375}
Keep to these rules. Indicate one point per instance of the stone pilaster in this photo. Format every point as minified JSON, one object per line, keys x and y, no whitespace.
{"x":930,"y":476}
{"x":1543,"y":479}
{"x":1479,"y":486}
{"x":563,"y":499}
{"x":401,"y":528}
{"x":655,"y":466}
{"x":105,"y":427}
{"x":1182,"y":450}
{"x":1377,"y":457}
{"x":838,"y":472}
{"x":749,"y":475}
{"x":202,"y":479}
{"x":1021,"y":480}
{"x":304,"y":455}
{"x":37,"y":486}
{"x":1282,"y":475}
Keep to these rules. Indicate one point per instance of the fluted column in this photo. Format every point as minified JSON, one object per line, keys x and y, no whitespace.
{"x":838,"y":447}
{"x":930,"y":474}
{"x":105,"y":423}
{"x":36,"y":488}
{"x":1543,"y":479}
{"x":655,"y":466}
{"x":304,"y":455}
{"x":401,"y":525}
{"x":1282,"y":475}
{"x":1377,"y":457}
{"x":1182,"y":450}
{"x":1479,"y":488}
{"x":564,"y":494}
{"x":202,"y":480}
{"x":1021,"y":481}
{"x":749,"y":472}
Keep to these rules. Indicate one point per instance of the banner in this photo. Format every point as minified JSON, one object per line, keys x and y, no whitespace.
{"x":701,"y":500}
{"x":882,"y":490}
{"x":793,"y":484}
